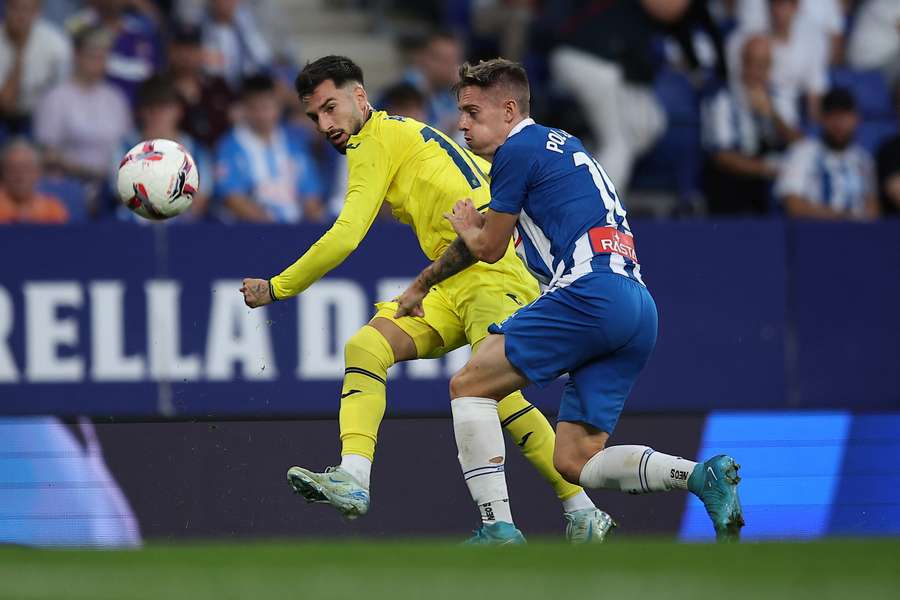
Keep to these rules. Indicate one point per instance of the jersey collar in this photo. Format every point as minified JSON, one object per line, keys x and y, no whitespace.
{"x":522,"y":125}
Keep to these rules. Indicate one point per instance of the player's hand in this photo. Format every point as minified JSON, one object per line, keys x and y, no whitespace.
{"x":465,"y":217}
{"x":256,"y":292}
{"x":410,"y":301}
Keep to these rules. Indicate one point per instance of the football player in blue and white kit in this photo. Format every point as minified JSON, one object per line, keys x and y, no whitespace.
{"x":595,"y":321}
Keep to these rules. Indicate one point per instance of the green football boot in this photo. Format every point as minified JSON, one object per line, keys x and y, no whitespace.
{"x":715,"y":483}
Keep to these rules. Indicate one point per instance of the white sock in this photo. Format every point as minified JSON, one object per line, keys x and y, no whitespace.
{"x":579,"y":501}
{"x":636,"y":470}
{"x":358,"y":466}
{"x":482,"y":455}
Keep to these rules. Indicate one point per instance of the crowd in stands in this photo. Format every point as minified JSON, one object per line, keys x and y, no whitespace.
{"x":726,"y":107}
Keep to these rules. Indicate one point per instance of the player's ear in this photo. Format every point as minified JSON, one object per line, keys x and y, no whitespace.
{"x":361,"y":97}
{"x":511,"y":109}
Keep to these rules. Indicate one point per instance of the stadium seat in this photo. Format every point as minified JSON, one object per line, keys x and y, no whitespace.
{"x":70,"y":192}
{"x":872,"y":133}
{"x":674,"y":162}
{"x":870,"y":90}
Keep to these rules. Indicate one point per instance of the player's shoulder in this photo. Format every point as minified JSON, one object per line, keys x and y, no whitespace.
{"x":539,"y":143}
{"x":382,"y":133}
{"x":522,"y":141}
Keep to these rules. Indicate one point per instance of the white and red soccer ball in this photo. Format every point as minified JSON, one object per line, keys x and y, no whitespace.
{"x":157,"y":179}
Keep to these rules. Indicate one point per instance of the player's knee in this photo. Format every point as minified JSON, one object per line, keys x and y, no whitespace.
{"x":569,"y":466}
{"x":366,"y":345}
{"x":464,"y":383}
{"x":458,"y":384}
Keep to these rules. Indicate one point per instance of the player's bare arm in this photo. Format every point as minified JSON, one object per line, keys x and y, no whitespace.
{"x":481,"y":238}
{"x":455,"y":259}
{"x":486,"y":236}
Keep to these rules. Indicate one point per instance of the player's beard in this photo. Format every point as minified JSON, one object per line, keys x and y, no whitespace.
{"x":356,"y":126}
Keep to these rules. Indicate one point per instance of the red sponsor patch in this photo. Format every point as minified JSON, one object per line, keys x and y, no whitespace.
{"x":606,"y":240}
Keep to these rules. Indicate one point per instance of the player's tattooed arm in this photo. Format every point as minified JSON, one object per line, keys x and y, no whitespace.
{"x":455,"y":258}
{"x":481,"y":237}
{"x":485,"y":235}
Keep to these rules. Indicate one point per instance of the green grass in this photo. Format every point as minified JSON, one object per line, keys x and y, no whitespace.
{"x":372,"y":570}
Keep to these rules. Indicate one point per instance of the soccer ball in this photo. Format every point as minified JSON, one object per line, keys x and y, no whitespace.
{"x":157,"y":179}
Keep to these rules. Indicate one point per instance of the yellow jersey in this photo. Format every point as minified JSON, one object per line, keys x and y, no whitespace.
{"x":420,"y":172}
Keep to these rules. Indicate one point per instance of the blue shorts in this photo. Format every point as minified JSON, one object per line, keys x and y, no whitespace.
{"x":600,"y":330}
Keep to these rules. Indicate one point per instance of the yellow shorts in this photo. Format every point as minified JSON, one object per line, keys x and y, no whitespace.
{"x":459,"y":310}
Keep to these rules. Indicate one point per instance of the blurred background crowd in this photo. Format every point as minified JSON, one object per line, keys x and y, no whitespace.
{"x":694,"y":107}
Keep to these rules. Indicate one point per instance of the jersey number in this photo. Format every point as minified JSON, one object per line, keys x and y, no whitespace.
{"x":607,"y":191}
{"x":430,"y":134}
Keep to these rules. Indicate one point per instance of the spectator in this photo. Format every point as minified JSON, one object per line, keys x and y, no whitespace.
{"x":59,"y":12}
{"x":604,"y":61}
{"x":825,"y":18}
{"x":831,"y":178}
{"x":406,"y":100}
{"x":79,"y":122}
{"x":235,"y":46}
{"x":434,"y":71}
{"x":875,"y":39}
{"x":744,"y":136}
{"x":799,"y":61}
{"x":159,"y":112}
{"x":34,"y":57}
{"x":135,"y":53}
{"x":506,"y":20}
{"x":888,"y":162}
{"x":263,"y":173}
{"x":20,"y":202}
{"x":206,"y":99}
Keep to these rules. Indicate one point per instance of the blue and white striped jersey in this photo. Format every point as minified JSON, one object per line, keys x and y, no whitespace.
{"x":571,"y":221}
{"x":839,"y":180}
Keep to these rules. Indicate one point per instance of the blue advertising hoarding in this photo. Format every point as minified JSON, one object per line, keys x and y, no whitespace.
{"x":113,"y":320}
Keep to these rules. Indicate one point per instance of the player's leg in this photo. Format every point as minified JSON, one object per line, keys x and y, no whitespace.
{"x":475,"y":391}
{"x":506,"y":289}
{"x":368,"y":354}
{"x":532,"y":433}
{"x":589,"y":412}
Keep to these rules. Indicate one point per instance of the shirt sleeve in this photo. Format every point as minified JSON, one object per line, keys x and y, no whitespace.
{"x":870,"y":179}
{"x":795,"y":172}
{"x":49,"y":120}
{"x":371,"y":170}
{"x":718,"y":124}
{"x":308,"y":181}
{"x":509,"y":181}
{"x":232,"y":173}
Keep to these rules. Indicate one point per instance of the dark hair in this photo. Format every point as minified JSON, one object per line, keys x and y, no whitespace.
{"x":838,"y":99}
{"x":185,"y":34}
{"x":256,"y":84}
{"x":498,"y":72}
{"x":155,"y":91}
{"x":402,"y":94}
{"x":338,"y":69}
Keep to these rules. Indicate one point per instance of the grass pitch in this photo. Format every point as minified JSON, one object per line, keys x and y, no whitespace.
{"x":375,"y":570}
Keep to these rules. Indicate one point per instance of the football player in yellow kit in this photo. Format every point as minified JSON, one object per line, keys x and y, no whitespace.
{"x":421,"y":173}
